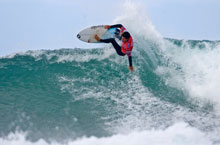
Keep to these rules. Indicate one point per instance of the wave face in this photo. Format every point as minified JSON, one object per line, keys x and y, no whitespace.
{"x":81,"y":96}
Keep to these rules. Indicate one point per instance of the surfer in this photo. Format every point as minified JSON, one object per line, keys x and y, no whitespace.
{"x":127,"y":42}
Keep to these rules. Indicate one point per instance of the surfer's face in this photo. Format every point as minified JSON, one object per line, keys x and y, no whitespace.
{"x":124,"y":39}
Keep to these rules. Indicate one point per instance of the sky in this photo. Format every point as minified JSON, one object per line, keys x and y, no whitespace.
{"x":54,"y":24}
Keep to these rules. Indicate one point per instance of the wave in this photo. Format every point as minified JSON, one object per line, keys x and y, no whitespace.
{"x":90,"y":95}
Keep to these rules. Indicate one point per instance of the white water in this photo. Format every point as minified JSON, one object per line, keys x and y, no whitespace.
{"x":178,"y":134}
{"x":199,"y":73}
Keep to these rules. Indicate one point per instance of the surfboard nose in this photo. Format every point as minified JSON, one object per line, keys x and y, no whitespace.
{"x":78,"y":36}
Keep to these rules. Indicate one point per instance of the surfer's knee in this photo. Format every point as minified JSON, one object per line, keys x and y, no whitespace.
{"x":120,"y":53}
{"x":107,"y":40}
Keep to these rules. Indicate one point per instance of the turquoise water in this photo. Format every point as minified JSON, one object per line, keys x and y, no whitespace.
{"x":65,"y":94}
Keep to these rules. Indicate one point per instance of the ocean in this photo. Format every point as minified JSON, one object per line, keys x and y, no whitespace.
{"x":78,"y":96}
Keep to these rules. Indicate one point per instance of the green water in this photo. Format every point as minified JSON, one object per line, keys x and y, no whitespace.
{"x":70,"y":93}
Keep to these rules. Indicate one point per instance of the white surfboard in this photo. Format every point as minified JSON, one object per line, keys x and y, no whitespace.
{"x":88,"y":34}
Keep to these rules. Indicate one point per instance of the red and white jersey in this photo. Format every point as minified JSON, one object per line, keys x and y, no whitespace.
{"x":127,"y":47}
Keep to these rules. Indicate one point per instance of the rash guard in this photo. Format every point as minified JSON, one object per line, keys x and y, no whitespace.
{"x":126,"y":47}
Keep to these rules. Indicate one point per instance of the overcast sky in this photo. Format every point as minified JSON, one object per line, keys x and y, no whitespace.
{"x":53,"y":24}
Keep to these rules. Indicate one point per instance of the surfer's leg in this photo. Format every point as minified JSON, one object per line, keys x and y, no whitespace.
{"x":115,"y":44}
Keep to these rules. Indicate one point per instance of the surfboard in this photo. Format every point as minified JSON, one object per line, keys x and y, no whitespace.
{"x":88,"y":34}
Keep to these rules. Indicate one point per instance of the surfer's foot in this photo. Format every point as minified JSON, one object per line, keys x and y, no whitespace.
{"x":97,"y":38}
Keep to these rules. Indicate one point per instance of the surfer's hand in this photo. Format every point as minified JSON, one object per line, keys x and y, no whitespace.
{"x":107,"y":27}
{"x":131,"y":68}
{"x":97,"y":38}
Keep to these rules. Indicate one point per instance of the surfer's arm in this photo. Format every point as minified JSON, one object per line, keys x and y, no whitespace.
{"x":130,"y":63}
{"x":113,"y":26}
{"x":116,"y":26}
{"x":130,"y":60}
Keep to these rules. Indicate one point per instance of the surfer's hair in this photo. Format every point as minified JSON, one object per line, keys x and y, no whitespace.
{"x":126,"y":35}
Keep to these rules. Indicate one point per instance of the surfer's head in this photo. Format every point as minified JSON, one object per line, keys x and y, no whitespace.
{"x":125,"y":36}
